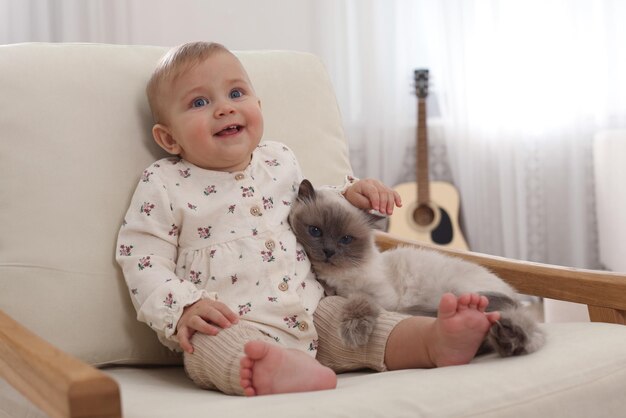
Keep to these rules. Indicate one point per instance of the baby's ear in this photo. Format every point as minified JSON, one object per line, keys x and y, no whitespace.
{"x":306,"y":191}
{"x":164,"y":138}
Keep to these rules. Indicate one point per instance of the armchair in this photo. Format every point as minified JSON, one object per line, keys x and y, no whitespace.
{"x":75,"y":136}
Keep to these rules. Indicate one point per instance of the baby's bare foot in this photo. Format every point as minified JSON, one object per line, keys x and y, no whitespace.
{"x":460,"y":328}
{"x":268,"y":369}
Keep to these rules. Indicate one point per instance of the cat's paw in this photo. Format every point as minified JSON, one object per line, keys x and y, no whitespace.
{"x":357,"y":321}
{"x":516,"y":333}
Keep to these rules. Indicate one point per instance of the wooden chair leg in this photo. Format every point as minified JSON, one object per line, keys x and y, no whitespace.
{"x":602,"y":314}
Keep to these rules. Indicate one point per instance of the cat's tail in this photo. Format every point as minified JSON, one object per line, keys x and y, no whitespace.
{"x":516,"y":332}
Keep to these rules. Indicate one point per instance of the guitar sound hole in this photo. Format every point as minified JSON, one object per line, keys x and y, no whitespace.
{"x":423,"y":215}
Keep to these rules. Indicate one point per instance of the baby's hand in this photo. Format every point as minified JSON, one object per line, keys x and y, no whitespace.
{"x":372,"y":194}
{"x":206,"y":316}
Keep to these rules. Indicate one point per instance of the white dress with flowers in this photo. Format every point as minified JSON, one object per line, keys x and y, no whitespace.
{"x":192,"y":233}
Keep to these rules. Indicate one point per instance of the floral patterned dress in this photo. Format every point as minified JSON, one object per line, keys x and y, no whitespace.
{"x":192,"y":233}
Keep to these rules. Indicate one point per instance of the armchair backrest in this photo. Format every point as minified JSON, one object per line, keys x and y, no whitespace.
{"x":75,"y":137}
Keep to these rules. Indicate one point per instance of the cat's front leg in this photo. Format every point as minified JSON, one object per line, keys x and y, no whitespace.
{"x":357,"y":320}
{"x":328,"y":289}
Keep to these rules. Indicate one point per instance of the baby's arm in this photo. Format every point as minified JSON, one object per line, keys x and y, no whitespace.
{"x":372,"y":194}
{"x":147,"y":252}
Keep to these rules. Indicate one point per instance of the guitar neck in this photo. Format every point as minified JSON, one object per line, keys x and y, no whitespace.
{"x":423,"y":191}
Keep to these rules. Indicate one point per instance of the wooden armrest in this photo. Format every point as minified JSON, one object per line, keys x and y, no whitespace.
{"x":59,"y":384}
{"x":604,"y":292}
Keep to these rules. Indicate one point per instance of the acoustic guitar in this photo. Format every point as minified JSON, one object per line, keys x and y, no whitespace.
{"x":430,"y":210}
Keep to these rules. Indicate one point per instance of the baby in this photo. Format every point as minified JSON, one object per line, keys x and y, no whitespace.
{"x":211,"y":262}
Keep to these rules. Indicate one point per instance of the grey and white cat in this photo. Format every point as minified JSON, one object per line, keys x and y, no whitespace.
{"x":339,"y":241}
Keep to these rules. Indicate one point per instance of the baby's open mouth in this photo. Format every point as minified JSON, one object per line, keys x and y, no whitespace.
{"x":230,"y":130}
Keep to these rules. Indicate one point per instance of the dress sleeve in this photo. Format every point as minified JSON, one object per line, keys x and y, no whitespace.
{"x":147,"y":252}
{"x":348,"y":181}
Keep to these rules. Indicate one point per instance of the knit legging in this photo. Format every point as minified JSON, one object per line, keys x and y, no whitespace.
{"x":214,"y":363}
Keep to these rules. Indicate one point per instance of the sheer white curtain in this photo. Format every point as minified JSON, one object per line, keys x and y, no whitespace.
{"x":238,"y":24}
{"x":65,"y":21}
{"x":521,"y":86}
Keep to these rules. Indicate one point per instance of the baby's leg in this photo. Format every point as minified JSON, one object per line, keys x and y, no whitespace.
{"x":269,"y":369}
{"x":214,"y":363}
{"x":400,"y":341}
{"x":452,"y":338}
{"x":333,"y":351}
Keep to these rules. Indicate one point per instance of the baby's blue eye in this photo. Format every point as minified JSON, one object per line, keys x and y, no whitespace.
{"x":199,"y":102}
{"x":315,"y":231}
{"x":235,"y":94}
{"x":345,"y":240}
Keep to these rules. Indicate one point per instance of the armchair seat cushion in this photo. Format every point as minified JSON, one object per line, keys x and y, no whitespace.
{"x":557,"y":381}
{"x":577,"y":374}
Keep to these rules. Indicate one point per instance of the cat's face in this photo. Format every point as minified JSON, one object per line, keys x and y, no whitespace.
{"x":334,"y":234}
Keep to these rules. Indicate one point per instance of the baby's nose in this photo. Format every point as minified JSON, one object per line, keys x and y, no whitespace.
{"x":224,"y":108}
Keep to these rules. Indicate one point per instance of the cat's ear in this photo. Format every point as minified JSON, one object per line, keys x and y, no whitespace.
{"x":306,"y":191}
{"x":375,"y":219}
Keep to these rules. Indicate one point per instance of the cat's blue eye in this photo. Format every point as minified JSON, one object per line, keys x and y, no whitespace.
{"x":315,"y":231}
{"x":345,"y":240}
{"x":236,"y":94}
{"x":199,"y":102}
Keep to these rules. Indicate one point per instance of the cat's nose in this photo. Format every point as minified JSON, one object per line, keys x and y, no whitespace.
{"x":329,"y":253}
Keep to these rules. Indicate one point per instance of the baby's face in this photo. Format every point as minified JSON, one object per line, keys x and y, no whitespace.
{"x":213,"y":114}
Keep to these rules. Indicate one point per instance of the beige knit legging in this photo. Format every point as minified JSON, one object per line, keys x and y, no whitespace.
{"x":214,"y":363}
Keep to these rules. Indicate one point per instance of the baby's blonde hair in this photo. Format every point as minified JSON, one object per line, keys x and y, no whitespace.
{"x":172,"y":64}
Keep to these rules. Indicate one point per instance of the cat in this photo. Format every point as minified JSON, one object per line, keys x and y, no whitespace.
{"x":339,"y":241}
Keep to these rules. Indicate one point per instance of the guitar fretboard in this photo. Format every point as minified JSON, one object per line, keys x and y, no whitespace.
{"x":423,"y":191}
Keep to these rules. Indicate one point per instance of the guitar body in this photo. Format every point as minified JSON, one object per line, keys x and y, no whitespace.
{"x":440,"y":226}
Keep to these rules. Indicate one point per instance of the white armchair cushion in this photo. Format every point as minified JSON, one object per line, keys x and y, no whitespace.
{"x":76,"y":136}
